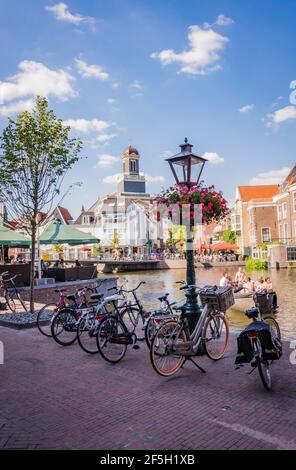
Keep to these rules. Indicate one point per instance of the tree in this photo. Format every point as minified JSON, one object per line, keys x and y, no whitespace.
{"x":229,"y":236}
{"x":36,"y":154}
{"x":115,"y":239}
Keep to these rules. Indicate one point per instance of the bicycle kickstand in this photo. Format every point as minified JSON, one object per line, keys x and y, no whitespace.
{"x":195,"y":363}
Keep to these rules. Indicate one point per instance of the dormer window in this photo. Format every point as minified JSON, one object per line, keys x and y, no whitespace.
{"x":133,"y":166}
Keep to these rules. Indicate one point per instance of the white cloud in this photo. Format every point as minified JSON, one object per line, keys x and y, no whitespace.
{"x":87,"y":125}
{"x":247,"y":108}
{"x":17,"y":107}
{"x":115,"y":85}
{"x":136,"y":85}
{"x":105,"y":160}
{"x":203,"y":54}
{"x":105,"y":137}
{"x":112,"y":179}
{"x":166,"y":154}
{"x":111,"y":100}
{"x":270,"y":177}
{"x":91,"y":70}
{"x":34,"y":78}
{"x":62,"y":13}
{"x":223,"y":20}
{"x":281,"y":115}
{"x":154,"y":179}
{"x":213,"y":157}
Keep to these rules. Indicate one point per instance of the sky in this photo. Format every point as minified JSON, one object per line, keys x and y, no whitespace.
{"x":150,"y":74}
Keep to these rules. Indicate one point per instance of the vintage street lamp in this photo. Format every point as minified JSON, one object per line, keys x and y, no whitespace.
{"x":183,"y":166}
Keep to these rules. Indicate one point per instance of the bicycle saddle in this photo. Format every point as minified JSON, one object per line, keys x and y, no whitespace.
{"x":252,"y":312}
{"x":71,"y":297}
{"x":164,"y":297}
{"x":96,"y":296}
{"x":60,"y":290}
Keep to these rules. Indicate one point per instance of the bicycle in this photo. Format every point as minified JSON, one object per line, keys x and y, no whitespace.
{"x":87,"y":325}
{"x":64,"y":322}
{"x":157,"y":317}
{"x":173,"y":344}
{"x":259,"y":344}
{"x":117,"y":329}
{"x":48,"y":311}
{"x":11,"y":293}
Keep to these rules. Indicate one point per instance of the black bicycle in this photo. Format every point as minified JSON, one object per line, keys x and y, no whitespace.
{"x":11,"y":293}
{"x":259,"y":344}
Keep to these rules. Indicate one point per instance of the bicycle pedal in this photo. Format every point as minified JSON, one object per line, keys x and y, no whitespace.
{"x":136,"y":346}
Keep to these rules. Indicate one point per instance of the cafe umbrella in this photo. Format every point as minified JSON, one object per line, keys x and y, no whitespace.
{"x":11,"y":239}
{"x":57,"y":233}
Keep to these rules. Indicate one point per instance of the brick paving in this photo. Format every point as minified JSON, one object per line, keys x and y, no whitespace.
{"x":61,"y":398}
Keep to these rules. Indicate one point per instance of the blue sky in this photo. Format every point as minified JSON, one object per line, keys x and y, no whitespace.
{"x":151,"y":73}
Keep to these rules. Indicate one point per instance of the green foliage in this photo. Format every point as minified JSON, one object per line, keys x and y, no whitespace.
{"x":36,"y":152}
{"x":115,"y":239}
{"x":229,"y":236}
{"x":177,"y":236}
{"x":58,"y":248}
{"x":256,"y":264}
{"x":96,"y":250}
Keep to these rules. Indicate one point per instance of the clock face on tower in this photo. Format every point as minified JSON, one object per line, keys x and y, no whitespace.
{"x":132,"y":181}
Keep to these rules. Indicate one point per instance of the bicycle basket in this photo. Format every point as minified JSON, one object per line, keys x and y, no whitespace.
{"x":219,"y":298}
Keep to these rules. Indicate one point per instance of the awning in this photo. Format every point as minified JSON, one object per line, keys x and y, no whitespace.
{"x":11,"y":238}
{"x":57,"y":233}
{"x":219,"y":246}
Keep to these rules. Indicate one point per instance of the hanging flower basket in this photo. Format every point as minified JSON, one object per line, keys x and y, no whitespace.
{"x":195,"y":204}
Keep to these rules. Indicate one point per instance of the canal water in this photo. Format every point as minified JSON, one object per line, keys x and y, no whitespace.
{"x":162,"y":281}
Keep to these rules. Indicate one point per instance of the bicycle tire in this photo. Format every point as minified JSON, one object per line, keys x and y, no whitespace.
{"x":10,"y":303}
{"x":69,"y":322}
{"x":264,"y":372}
{"x":81,"y":343}
{"x":51,"y":309}
{"x":22,"y":302}
{"x":108,"y":327}
{"x":154,"y":346}
{"x":212,"y":320}
{"x":134,"y":322}
{"x":275,"y":327}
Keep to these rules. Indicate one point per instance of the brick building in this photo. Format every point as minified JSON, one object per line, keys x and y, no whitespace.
{"x":254,"y":216}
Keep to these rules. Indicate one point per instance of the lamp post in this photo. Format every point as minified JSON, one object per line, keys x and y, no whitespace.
{"x":181,"y":166}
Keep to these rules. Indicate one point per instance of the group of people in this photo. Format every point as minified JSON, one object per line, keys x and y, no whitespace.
{"x":218,"y":257}
{"x":243,"y":282}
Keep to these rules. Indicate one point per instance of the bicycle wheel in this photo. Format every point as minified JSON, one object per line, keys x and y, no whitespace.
{"x":215,"y":336}
{"x":150,"y":331}
{"x":22,"y":302}
{"x":133,"y":321}
{"x":164,"y":360}
{"x":85,"y":334}
{"x":64,"y":327}
{"x":44,"y":318}
{"x":274,"y":326}
{"x":10,"y":303}
{"x":264,"y":372}
{"x":107,"y":339}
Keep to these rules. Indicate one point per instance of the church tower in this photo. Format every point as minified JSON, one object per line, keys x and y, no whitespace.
{"x":131,"y":182}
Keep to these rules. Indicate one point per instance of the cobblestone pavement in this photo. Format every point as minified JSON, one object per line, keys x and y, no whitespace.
{"x":61,"y":398}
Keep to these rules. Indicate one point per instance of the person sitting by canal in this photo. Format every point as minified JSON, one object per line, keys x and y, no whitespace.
{"x":77,"y":263}
{"x":225,"y":280}
{"x":260,"y":287}
{"x":249,"y":285}
{"x":268,"y":284}
{"x":240,"y":277}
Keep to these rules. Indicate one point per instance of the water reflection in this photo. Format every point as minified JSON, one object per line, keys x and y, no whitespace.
{"x":159,"y":282}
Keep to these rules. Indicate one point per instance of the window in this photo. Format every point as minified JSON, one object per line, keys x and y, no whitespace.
{"x":279,"y":212}
{"x":85,"y":219}
{"x":284,"y":210}
{"x":294,"y":201}
{"x":266,"y":234}
{"x":291,"y":253}
{"x":280,"y":232}
{"x":133,"y":166}
{"x":285,"y":231}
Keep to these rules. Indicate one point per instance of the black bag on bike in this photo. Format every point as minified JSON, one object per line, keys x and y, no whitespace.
{"x":265,"y":301}
{"x":270,"y":344}
{"x":244,"y":349}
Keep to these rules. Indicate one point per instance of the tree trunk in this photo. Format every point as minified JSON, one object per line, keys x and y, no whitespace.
{"x":32,"y":268}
